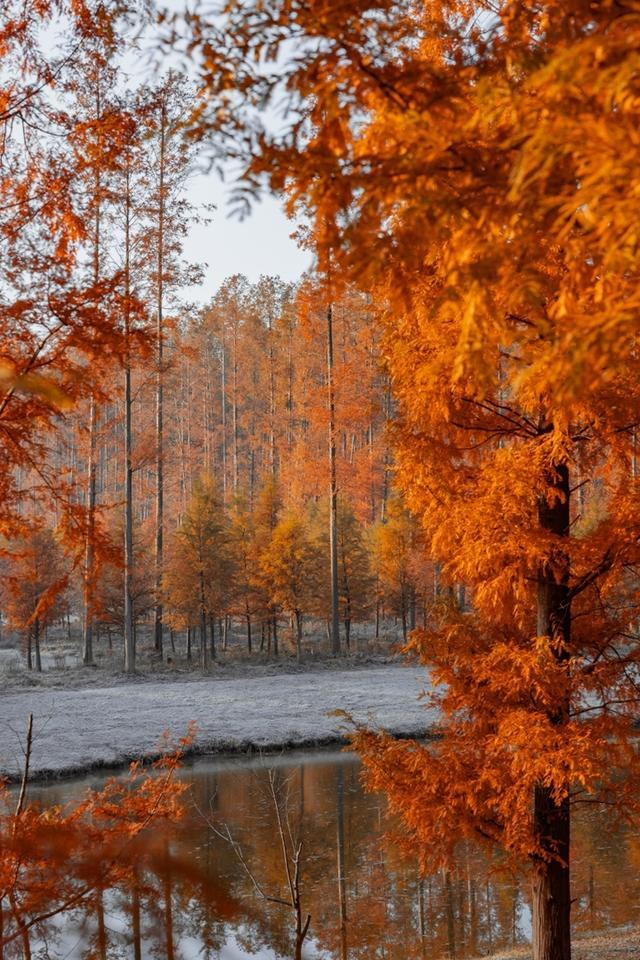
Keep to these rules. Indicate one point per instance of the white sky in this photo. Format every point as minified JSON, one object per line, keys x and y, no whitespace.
{"x":260,"y":244}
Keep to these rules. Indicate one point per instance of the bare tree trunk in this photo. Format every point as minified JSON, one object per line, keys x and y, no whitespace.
{"x":203,"y":625}
{"x":298,"y":619}
{"x":203,"y":639}
{"x":212,"y":631}
{"x":88,"y":574}
{"x":36,"y":639}
{"x":159,"y":491}
{"x":102,"y":930}
{"x":413,"y":602}
{"x":88,"y":585}
{"x":135,"y":921}
{"x":333,"y":491}
{"x":451,"y":929}
{"x":129,"y":637}
{"x":272,"y":404}
{"x":551,"y":820}
{"x":234,"y":409}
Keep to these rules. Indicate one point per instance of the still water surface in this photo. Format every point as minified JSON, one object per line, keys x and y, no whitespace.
{"x":366,"y":900}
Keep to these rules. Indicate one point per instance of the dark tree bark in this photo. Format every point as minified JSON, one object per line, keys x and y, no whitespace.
{"x":551,"y":894}
{"x":36,"y":638}
{"x":333,"y":492}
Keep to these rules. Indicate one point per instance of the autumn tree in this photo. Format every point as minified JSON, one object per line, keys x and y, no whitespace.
{"x":355,"y":583}
{"x":35,"y":579}
{"x":60,"y":297}
{"x":168,"y":165}
{"x":55,"y":860}
{"x":115,"y":602}
{"x":250,"y":599}
{"x":290,"y":566}
{"x":201,"y":577}
{"x":394,"y":544}
{"x":470,"y":164}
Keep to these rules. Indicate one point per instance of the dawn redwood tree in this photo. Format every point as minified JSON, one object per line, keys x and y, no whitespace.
{"x":97,"y":129}
{"x":168,"y":165}
{"x":394,"y":543}
{"x":59,"y":305}
{"x":472,"y":165}
{"x":355,"y":583}
{"x":290,"y":567}
{"x":55,"y":860}
{"x":249,"y":595}
{"x":34,"y":582}
{"x":202,"y":569}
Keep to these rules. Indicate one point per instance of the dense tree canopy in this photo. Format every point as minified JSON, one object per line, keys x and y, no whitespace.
{"x":470,"y":164}
{"x":467,"y":173}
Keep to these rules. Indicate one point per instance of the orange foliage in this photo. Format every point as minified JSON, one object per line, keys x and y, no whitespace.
{"x":53,"y":858}
{"x":471,"y":166}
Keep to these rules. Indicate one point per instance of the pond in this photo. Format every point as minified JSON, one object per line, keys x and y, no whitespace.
{"x":366,"y":900}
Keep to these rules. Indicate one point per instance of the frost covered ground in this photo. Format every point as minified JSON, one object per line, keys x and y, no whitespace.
{"x":617,"y":945}
{"x":80,"y":729}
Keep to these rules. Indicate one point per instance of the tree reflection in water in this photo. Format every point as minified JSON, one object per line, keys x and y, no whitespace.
{"x":366,"y":898}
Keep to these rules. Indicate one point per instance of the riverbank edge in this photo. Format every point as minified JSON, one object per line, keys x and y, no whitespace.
{"x":216,"y":749}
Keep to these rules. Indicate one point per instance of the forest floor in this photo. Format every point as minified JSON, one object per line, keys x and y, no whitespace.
{"x":260,"y":708}
{"x":615,"y":945}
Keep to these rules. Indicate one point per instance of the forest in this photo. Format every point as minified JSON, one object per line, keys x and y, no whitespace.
{"x":425,"y":447}
{"x":212,"y":439}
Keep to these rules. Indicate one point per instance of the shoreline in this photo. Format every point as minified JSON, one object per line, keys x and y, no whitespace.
{"x":215,"y":751}
{"x":81,"y":730}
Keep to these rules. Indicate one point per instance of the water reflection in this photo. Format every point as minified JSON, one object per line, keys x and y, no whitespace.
{"x":366,"y":900}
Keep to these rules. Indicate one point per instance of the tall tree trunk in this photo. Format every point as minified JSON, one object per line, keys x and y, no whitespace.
{"x":102,"y":929}
{"x":234,"y":409}
{"x":212,"y":631}
{"x":333,"y":492}
{"x":450,"y":914}
{"x":129,"y":636}
{"x":223,"y":404}
{"x":298,"y":619}
{"x":36,"y":640}
{"x":413,"y":601}
{"x":272,"y":403}
{"x":135,"y":921}
{"x":551,"y":873}
{"x":88,"y":573}
{"x":159,"y":491}
{"x":203,"y":625}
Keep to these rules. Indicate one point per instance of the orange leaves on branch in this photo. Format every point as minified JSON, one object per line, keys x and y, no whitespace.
{"x":53,"y":858}
{"x":475,"y":182}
